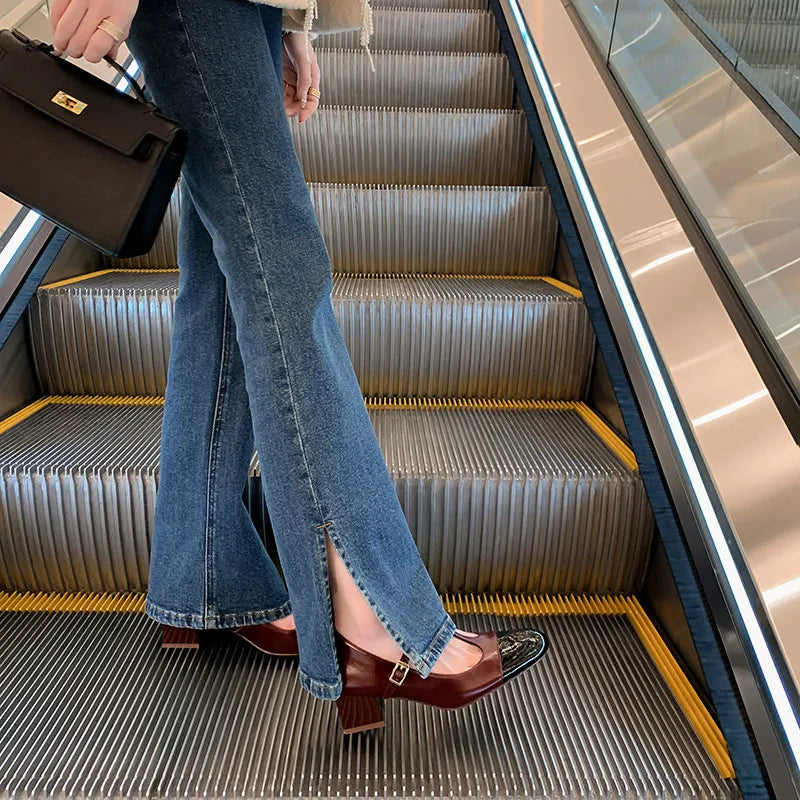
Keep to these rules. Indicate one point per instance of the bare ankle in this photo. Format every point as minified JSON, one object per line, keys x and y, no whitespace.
{"x":285,"y":623}
{"x":458,"y":656}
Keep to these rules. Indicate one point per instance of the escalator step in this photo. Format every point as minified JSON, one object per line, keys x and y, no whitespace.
{"x":481,"y":5}
{"x":405,"y":79}
{"x":525,"y":497}
{"x":716,"y":10}
{"x":480,"y":230}
{"x":744,"y":10}
{"x":440,"y":146}
{"x":782,"y":79}
{"x":518,"y":338}
{"x":763,"y":41}
{"x":453,"y":31}
{"x":496,"y":230}
{"x":595,"y":718}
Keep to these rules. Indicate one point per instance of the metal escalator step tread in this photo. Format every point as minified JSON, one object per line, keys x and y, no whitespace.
{"x":399,"y":145}
{"x":497,"y":230}
{"x":417,"y":79}
{"x":784,"y":80}
{"x":599,"y":720}
{"x":763,"y":40}
{"x":479,"y":5}
{"x":744,"y":10}
{"x":522,"y":497}
{"x":437,"y":30}
{"x":379,"y":228}
{"x":110,"y":333}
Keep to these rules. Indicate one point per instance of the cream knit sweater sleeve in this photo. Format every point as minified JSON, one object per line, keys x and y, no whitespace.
{"x":315,"y":17}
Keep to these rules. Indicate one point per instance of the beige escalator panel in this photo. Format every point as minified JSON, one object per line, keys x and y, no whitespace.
{"x":526,"y":507}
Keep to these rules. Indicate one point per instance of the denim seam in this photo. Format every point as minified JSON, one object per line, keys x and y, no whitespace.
{"x":189,"y":620}
{"x":429,"y":655}
{"x":323,"y":573}
{"x":211,"y":467}
{"x":320,"y":689}
{"x":422,"y":661}
{"x":257,"y":252}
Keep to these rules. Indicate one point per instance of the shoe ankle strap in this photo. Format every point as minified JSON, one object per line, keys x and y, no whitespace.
{"x":397,"y":676}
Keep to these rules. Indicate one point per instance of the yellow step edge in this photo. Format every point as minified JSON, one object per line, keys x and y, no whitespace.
{"x":608,"y":436}
{"x":88,"y":275}
{"x":501,"y":605}
{"x":565,"y":287}
{"x":382,"y":401}
{"x":25,"y":412}
{"x":683,"y":691}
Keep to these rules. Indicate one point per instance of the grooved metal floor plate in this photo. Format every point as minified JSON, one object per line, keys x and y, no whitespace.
{"x":110,"y":333}
{"x":93,"y":708}
{"x":508,"y":500}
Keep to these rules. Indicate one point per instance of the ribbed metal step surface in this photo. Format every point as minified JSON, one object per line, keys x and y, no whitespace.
{"x":763,"y":41}
{"x":518,"y":338}
{"x":443,"y":4}
{"x":766,"y":35}
{"x":441,"y":146}
{"x":784,"y":80}
{"x":499,"y":499}
{"x":593,"y":719}
{"x":380,"y":228}
{"x":408,"y":79}
{"x":445,"y":30}
{"x":743,"y":10}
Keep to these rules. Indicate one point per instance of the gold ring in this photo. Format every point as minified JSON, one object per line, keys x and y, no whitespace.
{"x":113,"y":30}
{"x":314,"y":92}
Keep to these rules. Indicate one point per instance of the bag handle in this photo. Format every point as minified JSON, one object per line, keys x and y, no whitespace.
{"x":139,"y":90}
{"x":49,"y":49}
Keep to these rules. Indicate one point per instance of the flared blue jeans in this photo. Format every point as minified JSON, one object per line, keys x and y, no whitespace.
{"x":258,"y":361}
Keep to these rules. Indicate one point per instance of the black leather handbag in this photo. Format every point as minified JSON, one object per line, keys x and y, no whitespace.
{"x":96,"y":161}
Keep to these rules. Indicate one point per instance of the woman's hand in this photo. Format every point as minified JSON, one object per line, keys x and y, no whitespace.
{"x":299,"y":76}
{"x":74,"y":25}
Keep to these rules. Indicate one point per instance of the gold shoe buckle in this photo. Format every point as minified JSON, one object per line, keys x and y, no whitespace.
{"x":401,"y":668}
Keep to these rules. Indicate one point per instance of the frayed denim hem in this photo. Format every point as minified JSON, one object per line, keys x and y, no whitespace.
{"x":184,"y":620}
{"x":320,"y":689}
{"x":424,"y":661}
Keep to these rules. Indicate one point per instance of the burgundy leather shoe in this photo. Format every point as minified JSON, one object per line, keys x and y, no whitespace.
{"x":369,"y":680}
{"x":269,"y":638}
{"x":265,"y":637}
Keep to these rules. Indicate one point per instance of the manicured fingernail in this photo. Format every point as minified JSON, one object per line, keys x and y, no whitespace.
{"x":305,"y":100}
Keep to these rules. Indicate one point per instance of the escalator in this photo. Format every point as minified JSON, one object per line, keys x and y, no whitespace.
{"x":476,"y":356}
{"x":766,"y":35}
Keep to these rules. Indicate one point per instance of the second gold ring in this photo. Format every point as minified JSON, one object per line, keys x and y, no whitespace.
{"x":314,"y":92}
{"x":113,"y":30}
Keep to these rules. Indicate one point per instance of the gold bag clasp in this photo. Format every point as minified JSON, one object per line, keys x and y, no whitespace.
{"x":69,"y":102}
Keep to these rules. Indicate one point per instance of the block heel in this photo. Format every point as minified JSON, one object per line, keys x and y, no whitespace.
{"x":360,"y":713}
{"x":186,"y":638}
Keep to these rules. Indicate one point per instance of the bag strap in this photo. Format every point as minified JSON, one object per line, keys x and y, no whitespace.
{"x":139,"y":90}
{"x":49,"y":49}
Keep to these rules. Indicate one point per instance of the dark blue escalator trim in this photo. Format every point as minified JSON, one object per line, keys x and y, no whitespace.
{"x":11,"y":314}
{"x":715,"y":666}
